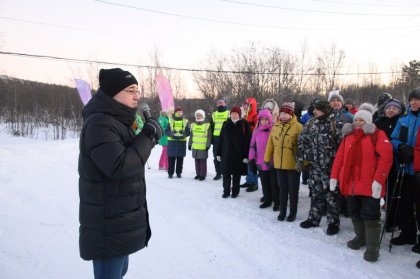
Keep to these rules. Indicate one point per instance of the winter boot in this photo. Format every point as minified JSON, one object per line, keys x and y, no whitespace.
{"x":252,"y":188}
{"x":308,"y":224}
{"x":276,"y":206}
{"x":418,"y":264}
{"x":196,"y":177}
{"x":201,"y":178}
{"x":359,"y":229}
{"x":245,"y":185}
{"x":416,"y":248}
{"x":265,"y":204}
{"x":404,"y":238}
{"x":373,"y":235}
{"x":281,"y":216}
{"x":291,"y":217}
{"x":333,"y":229}
{"x":217,"y":177}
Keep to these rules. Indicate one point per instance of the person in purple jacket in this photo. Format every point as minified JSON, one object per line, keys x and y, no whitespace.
{"x":256,"y":159}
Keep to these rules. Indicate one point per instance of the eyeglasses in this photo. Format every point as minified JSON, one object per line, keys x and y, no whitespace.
{"x":132,"y":92}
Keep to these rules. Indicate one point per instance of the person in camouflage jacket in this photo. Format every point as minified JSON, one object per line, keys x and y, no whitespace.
{"x":317,"y":146}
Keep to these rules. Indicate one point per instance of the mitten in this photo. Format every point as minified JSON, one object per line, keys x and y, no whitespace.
{"x":376,"y":190}
{"x":333,"y":184}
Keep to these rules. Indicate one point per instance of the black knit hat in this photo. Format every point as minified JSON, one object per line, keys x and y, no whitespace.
{"x":112,"y":81}
{"x":414,"y":94}
{"x":323,"y":106}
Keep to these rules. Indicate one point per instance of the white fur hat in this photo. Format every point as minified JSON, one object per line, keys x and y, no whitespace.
{"x":201,"y":112}
{"x":365,"y":115}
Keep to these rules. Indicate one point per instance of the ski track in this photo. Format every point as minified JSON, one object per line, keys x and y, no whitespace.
{"x":195,"y":233}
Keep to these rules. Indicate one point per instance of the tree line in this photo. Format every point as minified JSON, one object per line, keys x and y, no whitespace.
{"x":51,"y":111}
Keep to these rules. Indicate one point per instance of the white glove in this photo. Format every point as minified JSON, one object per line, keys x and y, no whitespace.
{"x":376,"y":190}
{"x":219,"y":158}
{"x":245,"y":161}
{"x":333,"y":184}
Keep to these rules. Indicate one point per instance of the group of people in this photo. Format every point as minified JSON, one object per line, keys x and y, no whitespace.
{"x":350,"y":158}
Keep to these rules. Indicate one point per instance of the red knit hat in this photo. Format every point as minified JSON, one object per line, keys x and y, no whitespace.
{"x":177,"y":109}
{"x":237,"y":110}
{"x":288,"y":107}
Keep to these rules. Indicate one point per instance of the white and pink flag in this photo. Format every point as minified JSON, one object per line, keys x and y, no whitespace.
{"x":163,"y":87}
{"x":84,"y":90}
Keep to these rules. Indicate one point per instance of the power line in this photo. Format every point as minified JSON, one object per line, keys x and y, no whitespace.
{"x":383,"y":4}
{"x":314,"y":11}
{"x":247,"y":24}
{"x":76,"y":60}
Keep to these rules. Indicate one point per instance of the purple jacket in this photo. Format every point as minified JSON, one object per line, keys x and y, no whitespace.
{"x":259,"y":141}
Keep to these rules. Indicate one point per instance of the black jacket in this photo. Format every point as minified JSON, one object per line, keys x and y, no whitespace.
{"x":113,"y":215}
{"x":233,"y":147}
{"x":387,"y":124}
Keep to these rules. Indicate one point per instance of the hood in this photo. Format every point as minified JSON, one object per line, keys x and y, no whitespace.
{"x":266,"y":114}
{"x":252,"y":108}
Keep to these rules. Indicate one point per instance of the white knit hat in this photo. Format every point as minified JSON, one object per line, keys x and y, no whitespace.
{"x":335,"y":94}
{"x":365,"y":115}
{"x":201,"y":112}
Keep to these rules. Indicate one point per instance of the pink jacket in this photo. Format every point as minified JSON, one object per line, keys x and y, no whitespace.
{"x":259,"y":140}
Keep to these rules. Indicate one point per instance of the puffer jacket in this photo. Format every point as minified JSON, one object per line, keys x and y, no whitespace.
{"x":319,"y":141}
{"x":375,"y":164}
{"x":113,"y":215}
{"x":259,"y":141}
{"x":282,"y":144}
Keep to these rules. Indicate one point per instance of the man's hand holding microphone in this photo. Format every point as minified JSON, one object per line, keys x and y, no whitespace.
{"x":151,"y":127}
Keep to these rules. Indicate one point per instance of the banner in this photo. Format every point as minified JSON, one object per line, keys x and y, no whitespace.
{"x":84,"y":90}
{"x":164,"y":90}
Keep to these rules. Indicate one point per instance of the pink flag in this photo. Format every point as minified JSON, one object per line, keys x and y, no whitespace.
{"x":163,"y":87}
{"x":84,"y":90}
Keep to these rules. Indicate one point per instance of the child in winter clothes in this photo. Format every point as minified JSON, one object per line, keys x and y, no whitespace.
{"x":361,"y":165}
{"x":256,"y":159}
{"x":232,"y":151}
{"x":199,"y":143}
{"x":282,"y":146}
{"x":317,"y":145}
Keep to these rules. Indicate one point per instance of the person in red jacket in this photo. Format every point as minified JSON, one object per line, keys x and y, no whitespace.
{"x":361,"y":165}
{"x":416,"y":165}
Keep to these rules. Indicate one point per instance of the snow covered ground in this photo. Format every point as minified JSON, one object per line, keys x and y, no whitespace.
{"x":196,"y":233}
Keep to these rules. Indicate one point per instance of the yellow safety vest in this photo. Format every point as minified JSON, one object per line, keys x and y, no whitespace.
{"x":199,"y":139}
{"x":218,"y":119}
{"x":176,"y":127}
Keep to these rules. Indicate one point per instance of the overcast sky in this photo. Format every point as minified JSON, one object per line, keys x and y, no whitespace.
{"x":384,"y":33}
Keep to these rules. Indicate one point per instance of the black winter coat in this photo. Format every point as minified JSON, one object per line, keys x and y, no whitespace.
{"x":113,"y":215}
{"x":387,"y":124}
{"x":233,"y":147}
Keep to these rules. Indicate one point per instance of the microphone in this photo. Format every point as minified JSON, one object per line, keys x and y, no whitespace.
{"x":144,"y":108}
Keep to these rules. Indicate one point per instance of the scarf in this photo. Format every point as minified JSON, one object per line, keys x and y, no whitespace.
{"x":354,"y":157}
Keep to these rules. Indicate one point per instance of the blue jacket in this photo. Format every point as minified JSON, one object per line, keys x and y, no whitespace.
{"x":410,"y":122}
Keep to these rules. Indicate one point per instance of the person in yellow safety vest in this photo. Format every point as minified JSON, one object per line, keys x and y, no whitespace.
{"x":177,"y":131}
{"x":218,"y":118}
{"x":199,"y":143}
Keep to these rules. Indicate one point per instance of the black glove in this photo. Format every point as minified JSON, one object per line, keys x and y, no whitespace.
{"x":189,"y":147}
{"x":405,"y":153}
{"x":152,"y":130}
{"x":253,"y":166}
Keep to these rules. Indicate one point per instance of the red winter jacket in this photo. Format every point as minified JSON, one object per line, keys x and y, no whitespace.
{"x":375,"y":165}
{"x":416,"y":164}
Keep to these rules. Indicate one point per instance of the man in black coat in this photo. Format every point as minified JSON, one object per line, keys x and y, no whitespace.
{"x":114,"y":220}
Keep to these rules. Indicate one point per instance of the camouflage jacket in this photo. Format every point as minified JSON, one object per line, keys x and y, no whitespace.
{"x":319,"y":141}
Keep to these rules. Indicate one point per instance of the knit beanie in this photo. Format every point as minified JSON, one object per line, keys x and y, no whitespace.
{"x":335,"y":95}
{"x":382,"y":98}
{"x":112,"y":81}
{"x":237,"y":110}
{"x":365,"y":115}
{"x":288,"y":107}
{"x":393,"y":103}
{"x":201,"y":112}
{"x":414,"y":94}
{"x":367,"y":106}
{"x":323,"y":106}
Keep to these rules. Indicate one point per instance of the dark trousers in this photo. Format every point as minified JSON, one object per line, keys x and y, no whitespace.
{"x":363,"y":207}
{"x":410,"y":201}
{"x":179,"y":161}
{"x":216,"y":163}
{"x":201,"y":167}
{"x":305,"y":175}
{"x":288,"y":181}
{"x":110,"y":268}
{"x":269,"y":186}
{"x":235,"y":179}
{"x":391,"y":198}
